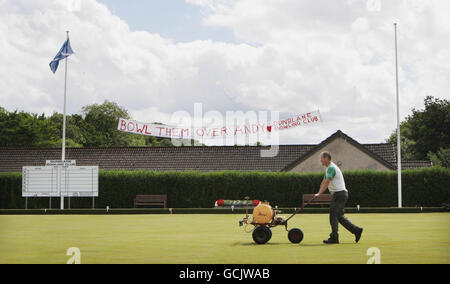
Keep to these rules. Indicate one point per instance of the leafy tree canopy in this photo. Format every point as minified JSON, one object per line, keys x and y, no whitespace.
{"x":425,"y":133}
{"x":96,"y":126}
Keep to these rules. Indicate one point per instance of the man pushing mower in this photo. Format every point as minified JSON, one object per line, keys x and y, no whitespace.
{"x":334,"y":181}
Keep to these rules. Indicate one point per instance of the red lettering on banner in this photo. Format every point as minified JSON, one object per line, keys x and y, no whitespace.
{"x":256,"y":127}
{"x":123,"y":125}
{"x":262,"y":126}
{"x":146,"y":131}
{"x":128,"y":126}
{"x":184,"y":130}
{"x":203,"y":131}
{"x":310,"y":119}
{"x":160,"y":129}
{"x":223,"y":130}
{"x":140,"y":130}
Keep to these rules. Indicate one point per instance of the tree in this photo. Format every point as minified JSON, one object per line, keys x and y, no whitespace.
{"x":96,"y":127}
{"x":100,"y":127}
{"x":74,"y":129}
{"x":441,"y":158}
{"x":21,"y":129}
{"x":425,"y":132}
{"x":406,"y":144}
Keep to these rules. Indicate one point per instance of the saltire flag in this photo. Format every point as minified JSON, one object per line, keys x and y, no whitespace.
{"x":65,"y":51}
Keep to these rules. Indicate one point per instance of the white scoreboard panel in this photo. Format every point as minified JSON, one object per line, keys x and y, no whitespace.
{"x":79,"y":181}
{"x":40,"y":182}
{"x":55,"y":181}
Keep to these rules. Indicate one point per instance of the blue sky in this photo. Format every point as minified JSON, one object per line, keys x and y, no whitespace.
{"x":174,"y":19}
{"x":230,"y":55}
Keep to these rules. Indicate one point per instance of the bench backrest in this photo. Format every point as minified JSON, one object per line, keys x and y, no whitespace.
{"x":320,"y":198}
{"x":151,"y":198}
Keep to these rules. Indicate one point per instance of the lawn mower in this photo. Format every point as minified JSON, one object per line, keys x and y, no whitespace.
{"x":264,"y":218}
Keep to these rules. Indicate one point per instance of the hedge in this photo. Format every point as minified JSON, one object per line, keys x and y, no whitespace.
{"x":423,"y":187}
{"x":141,"y":211}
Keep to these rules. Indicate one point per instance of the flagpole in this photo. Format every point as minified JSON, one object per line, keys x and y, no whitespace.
{"x":399,"y":153}
{"x":64,"y":122}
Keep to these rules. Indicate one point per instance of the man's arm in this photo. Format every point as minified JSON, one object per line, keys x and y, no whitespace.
{"x":329,"y":174}
{"x":323,"y":186}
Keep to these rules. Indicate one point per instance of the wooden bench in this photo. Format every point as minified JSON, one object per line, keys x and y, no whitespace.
{"x":150,"y":200}
{"x":320,"y":200}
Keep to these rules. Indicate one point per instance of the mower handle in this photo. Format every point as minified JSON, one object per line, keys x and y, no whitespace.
{"x":299,"y":210}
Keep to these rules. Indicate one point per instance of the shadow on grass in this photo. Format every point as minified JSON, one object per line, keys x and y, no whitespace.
{"x":255,"y":244}
{"x":325,"y":245}
{"x":290,"y":244}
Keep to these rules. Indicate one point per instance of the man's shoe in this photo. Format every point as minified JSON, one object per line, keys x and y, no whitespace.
{"x":358,"y":235}
{"x":331,"y":241}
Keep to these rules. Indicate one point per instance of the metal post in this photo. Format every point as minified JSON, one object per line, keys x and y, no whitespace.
{"x":26,"y":202}
{"x":64,"y":122}
{"x":50,"y":203}
{"x":399,"y":153}
{"x":93,"y":202}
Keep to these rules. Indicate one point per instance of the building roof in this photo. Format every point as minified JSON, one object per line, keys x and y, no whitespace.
{"x":201,"y":158}
{"x":414,"y":164}
{"x":383,"y":153}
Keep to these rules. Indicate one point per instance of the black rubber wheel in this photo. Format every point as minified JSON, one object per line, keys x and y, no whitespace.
{"x":270,"y":233}
{"x":295,"y":235}
{"x":261,"y":235}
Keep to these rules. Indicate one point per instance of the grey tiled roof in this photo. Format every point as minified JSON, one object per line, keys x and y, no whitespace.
{"x":414,"y":164}
{"x":384,"y":153}
{"x":385,"y":150}
{"x":201,"y":158}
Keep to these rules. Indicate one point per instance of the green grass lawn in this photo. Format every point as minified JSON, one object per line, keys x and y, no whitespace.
{"x":401,"y":238}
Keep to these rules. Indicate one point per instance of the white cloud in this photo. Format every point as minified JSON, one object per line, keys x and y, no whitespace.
{"x":336,"y":56}
{"x":339,"y":56}
{"x":360,"y":25}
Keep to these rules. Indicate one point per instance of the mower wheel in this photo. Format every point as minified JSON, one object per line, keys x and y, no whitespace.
{"x":261,"y":235}
{"x":270,"y":233}
{"x":295,"y":235}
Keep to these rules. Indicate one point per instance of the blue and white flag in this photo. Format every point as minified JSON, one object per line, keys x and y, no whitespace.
{"x":64,"y":52}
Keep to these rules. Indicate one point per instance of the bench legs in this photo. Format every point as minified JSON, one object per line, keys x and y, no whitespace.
{"x":159,"y":204}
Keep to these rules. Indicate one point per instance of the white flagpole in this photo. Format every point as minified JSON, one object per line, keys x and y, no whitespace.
{"x":399,"y":152}
{"x":64,"y":123}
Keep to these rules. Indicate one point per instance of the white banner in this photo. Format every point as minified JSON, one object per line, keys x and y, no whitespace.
{"x":180,"y":132}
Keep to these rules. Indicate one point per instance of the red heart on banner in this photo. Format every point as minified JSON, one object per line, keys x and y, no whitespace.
{"x":269,"y":128}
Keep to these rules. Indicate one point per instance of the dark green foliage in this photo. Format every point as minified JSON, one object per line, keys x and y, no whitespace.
{"x":423,"y":187}
{"x":426,"y":132}
{"x":96,"y":127}
{"x":440,"y":158}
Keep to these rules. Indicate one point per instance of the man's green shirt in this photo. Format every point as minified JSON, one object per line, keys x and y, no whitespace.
{"x":337,"y":179}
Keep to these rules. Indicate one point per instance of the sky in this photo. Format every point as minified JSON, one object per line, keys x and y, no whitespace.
{"x":294,"y":56}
